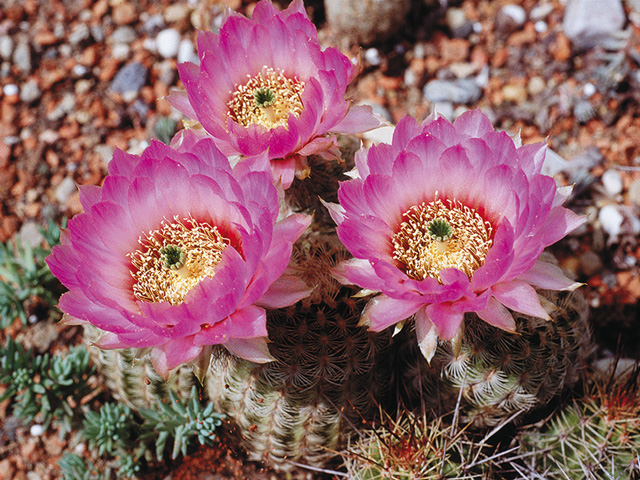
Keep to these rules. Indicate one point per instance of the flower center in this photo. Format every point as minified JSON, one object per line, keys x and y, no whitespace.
{"x":266,"y":99}
{"x":175,"y":258}
{"x":434,"y":236}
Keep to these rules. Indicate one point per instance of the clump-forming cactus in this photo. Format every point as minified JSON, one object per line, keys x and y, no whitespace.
{"x":324,"y":373}
{"x":501,"y":373}
{"x":131,"y":378}
{"x":596,"y":437}
{"x":419,"y":447}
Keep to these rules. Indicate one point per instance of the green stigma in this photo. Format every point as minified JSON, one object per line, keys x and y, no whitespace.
{"x":439,"y":229}
{"x":264,"y":97}
{"x":173,"y":257}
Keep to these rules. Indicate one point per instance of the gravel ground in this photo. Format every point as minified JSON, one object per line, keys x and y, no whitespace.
{"x":79,"y":78}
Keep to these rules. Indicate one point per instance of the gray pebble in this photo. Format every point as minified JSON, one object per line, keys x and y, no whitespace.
{"x":97,"y":32}
{"x":30,"y":234}
{"x":79,"y":34}
{"x":130,"y":78}
{"x":66,"y":106}
{"x":22,"y":57}
{"x":30,"y":92}
{"x":65,"y":189}
{"x":6,"y":47}
{"x":589,"y":23}
{"x":633,"y":194}
{"x":458,"y":22}
{"x":612,"y":182}
{"x":461,"y":90}
{"x":123,"y":34}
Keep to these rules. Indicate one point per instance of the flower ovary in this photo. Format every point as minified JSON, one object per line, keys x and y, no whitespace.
{"x":173,"y":257}
{"x":264,"y":97}
{"x":439,"y":229}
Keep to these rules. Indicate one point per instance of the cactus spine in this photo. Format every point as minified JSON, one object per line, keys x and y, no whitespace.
{"x":501,"y":373}
{"x":594,"y":437}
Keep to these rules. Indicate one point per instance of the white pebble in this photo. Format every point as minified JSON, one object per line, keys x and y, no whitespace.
{"x":541,"y":26}
{"x":36,"y":430}
{"x":372,"y":56}
{"x":611,"y":221}
{"x":589,"y":89}
{"x":612,"y":182}
{"x":79,"y":70}
{"x":10,"y":89}
{"x":168,"y":42}
{"x":186,"y":52}
{"x":516,"y":13}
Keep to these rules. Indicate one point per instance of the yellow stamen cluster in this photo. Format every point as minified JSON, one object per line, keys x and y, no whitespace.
{"x":246,"y":108}
{"x":424,"y":255}
{"x":159,"y":279}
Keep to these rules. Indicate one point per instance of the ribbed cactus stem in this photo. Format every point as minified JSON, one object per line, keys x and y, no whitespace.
{"x":501,"y":373}
{"x":131,"y":378}
{"x":295,"y":407}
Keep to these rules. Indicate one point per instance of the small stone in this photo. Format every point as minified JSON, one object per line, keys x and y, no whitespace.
{"x":612,"y":182}
{"x":30,"y":92}
{"x":536,"y":85}
{"x":124,"y":34}
{"x":510,"y":18}
{"x":633,"y":193}
{"x":10,"y":90}
{"x":65,"y":189}
{"x":590,"y":23}
{"x":22,"y":57}
{"x":154,"y":24}
{"x":6,"y":47}
{"x":372,"y":56}
{"x":458,"y":22}
{"x":129,"y":78}
{"x":611,"y":221}
{"x":105,"y":152}
{"x":410,"y":78}
{"x":589,"y":89}
{"x":463,"y":69}
{"x":79,"y":34}
{"x":590,"y":263}
{"x":540,"y":12}
{"x":514,"y":93}
{"x":121,"y":51}
{"x":540,"y":26}
{"x":176,"y":12}
{"x":186,"y":52}
{"x":462,"y":90}
{"x":168,"y":42}
{"x":124,"y":13}
{"x":30,"y":234}
{"x":97,"y":32}
{"x":36,"y":430}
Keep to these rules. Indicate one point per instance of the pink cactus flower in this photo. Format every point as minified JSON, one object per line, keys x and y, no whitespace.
{"x":448,"y":219}
{"x":265,"y":85}
{"x":177,"y":251}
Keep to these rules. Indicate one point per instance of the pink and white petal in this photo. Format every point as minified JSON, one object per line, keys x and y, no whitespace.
{"x":249,"y":322}
{"x":179,"y":100}
{"x":110,"y":341}
{"x":284,"y":171}
{"x":548,"y":276}
{"x":285,"y":291}
{"x":560,"y":222}
{"x":473,"y":123}
{"x":360,"y":118}
{"x":252,"y":349}
{"x":357,"y":271}
{"x":446,"y":317}
{"x":406,"y":130}
{"x":521,"y":297}
{"x":498,"y":315}
{"x":382,"y":312}
{"x":336,"y":211}
{"x":178,"y":352}
{"x":427,"y":334}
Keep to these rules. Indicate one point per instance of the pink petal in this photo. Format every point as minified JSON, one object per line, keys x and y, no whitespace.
{"x":285,"y":291}
{"x":473,"y":123}
{"x":498,"y":315}
{"x":356,"y":271}
{"x":446,"y":318}
{"x":382,"y":312}
{"x":252,"y":349}
{"x":521,"y":297}
{"x":335,"y":210}
{"x":549,"y":277}
{"x":249,"y":322}
{"x":360,"y":118}
{"x":179,"y":100}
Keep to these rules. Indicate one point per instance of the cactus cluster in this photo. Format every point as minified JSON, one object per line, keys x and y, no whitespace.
{"x":324,"y":373}
{"x":595,"y":437}
{"x":500,"y":373}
